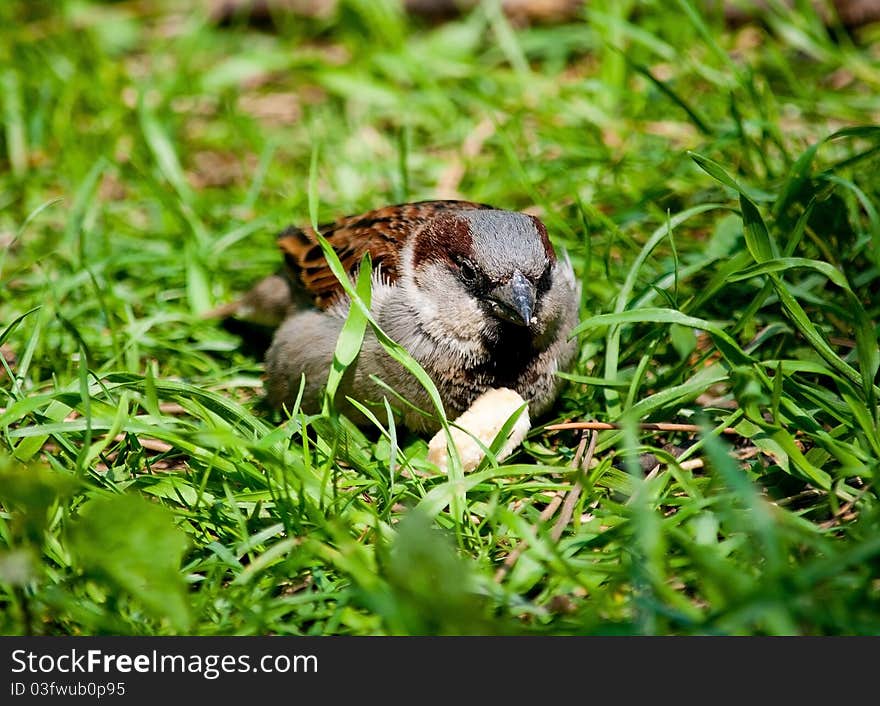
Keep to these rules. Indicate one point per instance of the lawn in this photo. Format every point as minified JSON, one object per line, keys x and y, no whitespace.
{"x":716,"y":187}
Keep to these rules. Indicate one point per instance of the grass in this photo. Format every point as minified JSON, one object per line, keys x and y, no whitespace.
{"x":715,"y":187}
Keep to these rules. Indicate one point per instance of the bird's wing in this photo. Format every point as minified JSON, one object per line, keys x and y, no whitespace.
{"x":382,"y":232}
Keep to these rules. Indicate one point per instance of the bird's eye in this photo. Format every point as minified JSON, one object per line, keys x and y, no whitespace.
{"x":467,"y":270}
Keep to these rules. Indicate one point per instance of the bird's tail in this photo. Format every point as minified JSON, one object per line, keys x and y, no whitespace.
{"x":266,"y":304}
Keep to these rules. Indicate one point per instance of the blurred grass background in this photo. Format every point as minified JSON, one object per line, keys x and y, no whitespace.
{"x":715,"y":184}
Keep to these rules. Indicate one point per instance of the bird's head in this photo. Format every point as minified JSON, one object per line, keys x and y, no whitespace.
{"x":474,"y":271}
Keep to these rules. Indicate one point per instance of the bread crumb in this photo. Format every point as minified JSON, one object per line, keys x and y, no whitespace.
{"x":484,"y":419}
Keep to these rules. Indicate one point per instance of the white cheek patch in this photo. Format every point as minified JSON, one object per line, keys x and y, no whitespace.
{"x":445,"y":308}
{"x":417,"y":294}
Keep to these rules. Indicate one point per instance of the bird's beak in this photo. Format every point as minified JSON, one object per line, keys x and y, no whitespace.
{"x":514,"y":300}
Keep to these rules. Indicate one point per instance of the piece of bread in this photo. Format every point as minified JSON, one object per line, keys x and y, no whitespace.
{"x":484,"y":419}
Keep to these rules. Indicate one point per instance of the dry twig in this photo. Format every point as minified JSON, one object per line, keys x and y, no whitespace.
{"x":645,"y":426}
{"x":149,"y":444}
{"x":573,"y":494}
{"x":844,"y":512}
{"x":579,"y":461}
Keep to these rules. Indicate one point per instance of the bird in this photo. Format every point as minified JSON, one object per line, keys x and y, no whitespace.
{"x":476,"y":295}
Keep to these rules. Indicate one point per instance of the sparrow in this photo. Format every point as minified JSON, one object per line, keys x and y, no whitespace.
{"x":475,"y":294}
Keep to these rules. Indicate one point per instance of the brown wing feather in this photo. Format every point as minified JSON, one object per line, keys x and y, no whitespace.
{"x":381,"y":232}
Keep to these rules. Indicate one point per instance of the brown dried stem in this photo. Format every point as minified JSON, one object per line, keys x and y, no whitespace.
{"x":579,"y":461}
{"x":573,"y":494}
{"x":645,"y":426}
